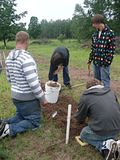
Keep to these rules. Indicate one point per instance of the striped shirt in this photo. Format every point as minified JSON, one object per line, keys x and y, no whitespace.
{"x":22,"y":74}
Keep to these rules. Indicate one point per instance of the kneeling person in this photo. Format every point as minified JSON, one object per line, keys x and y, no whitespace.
{"x":100,"y":105}
{"x":27,"y":93}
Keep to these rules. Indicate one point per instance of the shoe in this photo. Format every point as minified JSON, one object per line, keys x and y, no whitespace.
{"x":68,"y":86}
{"x":4,"y":130}
{"x":65,"y":87}
{"x":109,"y":149}
{"x":118,"y":153}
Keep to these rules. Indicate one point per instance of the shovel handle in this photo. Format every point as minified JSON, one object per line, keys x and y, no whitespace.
{"x":89,"y":67}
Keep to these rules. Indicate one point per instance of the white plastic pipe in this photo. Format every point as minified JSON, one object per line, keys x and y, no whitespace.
{"x":68,"y":123}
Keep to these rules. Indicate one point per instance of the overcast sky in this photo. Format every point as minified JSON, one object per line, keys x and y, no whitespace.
{"x":47,"y":9}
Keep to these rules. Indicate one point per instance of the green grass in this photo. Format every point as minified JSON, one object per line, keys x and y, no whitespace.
{"x":48,"y":143}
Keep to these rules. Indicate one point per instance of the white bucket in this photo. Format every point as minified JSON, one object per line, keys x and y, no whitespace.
{"x":52,"y":92}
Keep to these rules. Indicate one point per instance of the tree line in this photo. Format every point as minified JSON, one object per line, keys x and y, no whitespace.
{"x":79,"y":27}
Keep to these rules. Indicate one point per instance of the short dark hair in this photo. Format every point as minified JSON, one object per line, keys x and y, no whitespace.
{"x":92,"y":82}
{"x":56,"y":60}
{"x":98,"y":18}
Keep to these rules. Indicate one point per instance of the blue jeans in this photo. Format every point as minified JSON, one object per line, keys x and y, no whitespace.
{"x":103,"y":74}
{"x":92,"y":138}
{"x":28,"y":116}
{"x":66,"y":78}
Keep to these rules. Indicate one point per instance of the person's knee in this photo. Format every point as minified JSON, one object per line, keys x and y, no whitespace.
{"x":83,"y":134}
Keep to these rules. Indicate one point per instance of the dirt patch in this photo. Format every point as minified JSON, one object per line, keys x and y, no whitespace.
{"x":61,"y":118}
{"x":83,"y":75}
{"x":62,"y":105}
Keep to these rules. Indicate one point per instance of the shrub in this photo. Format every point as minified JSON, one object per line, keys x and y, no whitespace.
{"x":61,"y":37}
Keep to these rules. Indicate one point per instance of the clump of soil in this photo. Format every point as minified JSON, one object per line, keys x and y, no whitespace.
{"x":53,"y":84}
{"x":61,"y":118}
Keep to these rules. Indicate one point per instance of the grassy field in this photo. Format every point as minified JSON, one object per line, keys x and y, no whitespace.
{"x":48,"y":143}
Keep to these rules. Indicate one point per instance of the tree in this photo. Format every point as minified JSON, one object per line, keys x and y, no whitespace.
{"x":53,"y":29}
{"x":81,"y":23}
{"x":110,"y":9}
{"x":103,"y":7}
{"x":34,"y":28}
{"x":8,"y":18}
{"x":115,"y":17}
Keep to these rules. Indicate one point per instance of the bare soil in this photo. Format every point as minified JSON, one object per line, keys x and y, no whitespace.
{"x":62,"y":105}
{"x":61,"y":118}
{"x":79,"y":74}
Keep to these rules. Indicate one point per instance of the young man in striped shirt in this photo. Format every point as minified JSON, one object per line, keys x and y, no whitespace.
{"x":27,"y":93}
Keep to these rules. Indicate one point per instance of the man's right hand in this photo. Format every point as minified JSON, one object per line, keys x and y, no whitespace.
{"x":45,"y":102}
{"x":60,"y":68}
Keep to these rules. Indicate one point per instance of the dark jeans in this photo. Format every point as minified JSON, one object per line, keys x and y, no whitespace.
{"x":66,"y":78}
{"x":28,"y":116}
{"x":92,"y":138}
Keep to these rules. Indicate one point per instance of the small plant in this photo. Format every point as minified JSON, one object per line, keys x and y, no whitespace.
{"x":61,"y":37}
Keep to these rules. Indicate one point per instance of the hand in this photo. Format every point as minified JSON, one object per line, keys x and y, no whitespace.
{"x":45,"y":102}
{"x":58,"y":69}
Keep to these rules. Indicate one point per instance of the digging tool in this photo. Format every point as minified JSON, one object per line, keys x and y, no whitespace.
{"x":89,"y":66}
{"x":74,"y":86}
{"x":54,"y":114}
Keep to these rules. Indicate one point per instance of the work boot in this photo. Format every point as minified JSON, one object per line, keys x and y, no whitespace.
{"x":4,"y":130}
{"x":68,"y":86}
{"x":109,"y":149}
{"x":65,"y":87}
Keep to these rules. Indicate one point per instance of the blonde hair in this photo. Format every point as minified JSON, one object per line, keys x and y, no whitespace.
{"x":92,"y":82}
{"x":22,"y":37}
